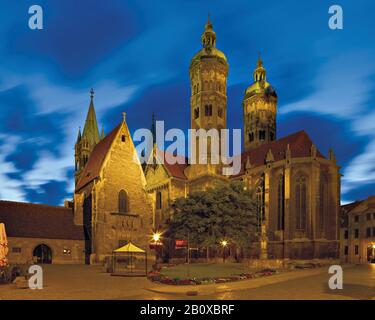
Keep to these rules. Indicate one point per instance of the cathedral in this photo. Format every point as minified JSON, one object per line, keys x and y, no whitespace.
{"x":297,"y":186}
{"x":117,"y":199}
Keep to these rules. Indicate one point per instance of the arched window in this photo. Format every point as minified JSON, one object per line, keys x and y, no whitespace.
{"x":280,"y":203}
{"x":301,"y":203}
{"x":196,"y":113}
{"x":260,"y":202}
{"x":251,"y":137}
{"x":123,"y":202}
{"x":323,"y":201}
{"x":262,"y":135}
{"x":158,"y":200}
{"x":208,"y":110}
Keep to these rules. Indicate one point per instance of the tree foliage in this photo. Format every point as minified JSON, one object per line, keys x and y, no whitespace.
{"x":207,"y":217}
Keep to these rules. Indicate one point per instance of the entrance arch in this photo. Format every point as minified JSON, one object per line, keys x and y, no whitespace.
{"x":43,"y":253}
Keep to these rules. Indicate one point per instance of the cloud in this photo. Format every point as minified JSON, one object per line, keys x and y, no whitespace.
{"x":343,"y":89}
{"x":11,"y":189}
{"x":44,"y":120}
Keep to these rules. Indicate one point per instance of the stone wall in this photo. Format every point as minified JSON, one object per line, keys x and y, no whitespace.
{"x":120,"y":171}
{"x":21,"y":250}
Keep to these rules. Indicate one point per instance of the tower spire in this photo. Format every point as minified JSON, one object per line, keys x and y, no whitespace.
{"x":91,"y":130}
{"x":79,"y":135}
{"x":259,"y":72}
{"x":209,"y":35}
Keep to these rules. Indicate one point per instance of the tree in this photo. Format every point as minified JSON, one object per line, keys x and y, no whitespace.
{"x":207,"y":217}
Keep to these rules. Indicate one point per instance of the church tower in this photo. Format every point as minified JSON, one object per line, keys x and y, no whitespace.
{"x":259,"y":110}
{"x":208,"y":81}
{"x":87,"y":140}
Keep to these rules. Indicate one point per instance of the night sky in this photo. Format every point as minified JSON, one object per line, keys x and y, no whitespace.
{"x":136,"y":55}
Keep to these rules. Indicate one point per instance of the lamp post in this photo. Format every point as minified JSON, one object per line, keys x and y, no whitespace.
{"x":156,"y":238}
{"x":224,"y":244}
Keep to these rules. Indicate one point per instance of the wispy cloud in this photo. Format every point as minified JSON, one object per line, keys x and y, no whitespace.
{"x":343,"y":89}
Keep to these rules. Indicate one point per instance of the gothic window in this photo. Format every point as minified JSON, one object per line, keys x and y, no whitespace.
{"x":323,"y":203}
{"x":208,"y":110}
{"x":280,"y":203}
{"x":196,"y":113}
{"x":158,"y":200}
{"x":301,"y":203}
{"x":260,"y":202}
{"x":262,"y":135}
{"x":123,"y":202}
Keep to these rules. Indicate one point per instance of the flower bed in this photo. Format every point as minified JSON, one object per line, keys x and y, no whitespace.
{"x":157,"y":276}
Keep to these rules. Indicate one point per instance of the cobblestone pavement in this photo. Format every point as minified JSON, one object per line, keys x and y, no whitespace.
{"x":89,"y":282}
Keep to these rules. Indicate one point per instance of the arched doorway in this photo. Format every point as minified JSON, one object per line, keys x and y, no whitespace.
{"x":43,"y":254}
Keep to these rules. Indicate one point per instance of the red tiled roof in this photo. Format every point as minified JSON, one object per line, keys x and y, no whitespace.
{"x":350,"y":206}
{"x":30,"y":220}
{"x":97,"y":156}
{"x":299,"y":144}
{"x":177,"y":169}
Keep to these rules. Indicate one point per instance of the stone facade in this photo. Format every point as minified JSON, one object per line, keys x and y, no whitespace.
{"x":297,"y":186}
{"x":357,"y":234}
{"x":112,"y":204}
{"x":64,"y":251}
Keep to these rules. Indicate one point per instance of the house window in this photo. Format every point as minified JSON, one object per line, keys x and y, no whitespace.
{"x":323,"y":201}
{"x":356,"y":233}
{"x":123,"y":138}
{"x":208,"y":110}
{"x":356,"y":218}
{"x":368,"y":232}
{"x":368,"y":216}
{"x":356,"y":250}
{"x":301,"y":203}
{"x":123,"y":202}
{"x":158,"y":200}
{"x":346,"y":234}
{"x":272,"y":136}
{"x":281,"y":203}
{"x":346,"y":250}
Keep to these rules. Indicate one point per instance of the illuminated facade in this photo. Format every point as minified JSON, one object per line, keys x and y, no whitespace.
{"x":297,"y":186}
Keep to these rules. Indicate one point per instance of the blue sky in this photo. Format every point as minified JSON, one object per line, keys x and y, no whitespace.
{"x":136,"y":55}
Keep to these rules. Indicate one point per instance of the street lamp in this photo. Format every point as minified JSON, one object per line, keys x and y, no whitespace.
{"x":224,"y":244}
{"x":156,"y":239}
